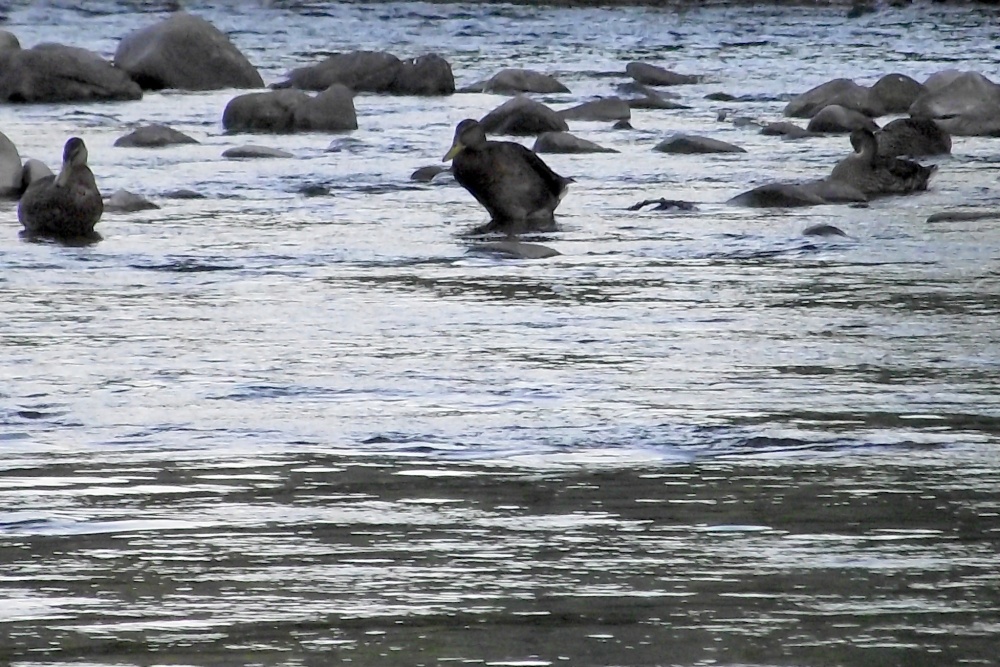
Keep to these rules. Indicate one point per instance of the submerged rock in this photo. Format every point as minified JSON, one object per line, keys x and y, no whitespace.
{"x":428,"y":173}
{"x":123,"y":201}
{"x":653,"y":75}
{"x":515,"y":249}
{"x":823,"y":229}
{"x":606,"y":109}
{"x":154,"y":136}
{"x":962,"y":216}
{"x":777,"y":195}
{"x":786,"y":130}
{"x":662,"y":204}
{"x":254,"y":151}
{"x":183,"y":193}
{"x":689,"y":144}
{"x":564,"y":142}
{"x":514,"y":81}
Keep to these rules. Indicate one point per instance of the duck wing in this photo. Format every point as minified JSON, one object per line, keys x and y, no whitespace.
{"x":70,"y":210}
{"x":907,"y":175}
{"x":555,"y":183}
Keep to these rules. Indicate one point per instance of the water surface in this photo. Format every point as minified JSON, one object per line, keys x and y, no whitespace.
{"x":265,"y":428}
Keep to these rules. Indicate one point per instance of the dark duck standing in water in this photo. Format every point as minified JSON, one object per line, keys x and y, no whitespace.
{"x":65,"y":206}
{"x":514,"y":185}
{"x":875,"y":174}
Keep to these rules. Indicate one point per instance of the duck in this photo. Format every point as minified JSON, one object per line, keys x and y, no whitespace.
{"x":513,"y":184}
{"x":67,"y":205}
{"x":913,"y":137}
{"x":874,"y":174}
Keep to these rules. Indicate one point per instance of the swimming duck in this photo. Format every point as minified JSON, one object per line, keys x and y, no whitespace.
{"x":874,"y":174}
{"x":63,"y":206}
{"x":513,"y":184}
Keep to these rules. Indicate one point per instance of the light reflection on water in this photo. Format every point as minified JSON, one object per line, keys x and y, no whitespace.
{"x":274,"y":429}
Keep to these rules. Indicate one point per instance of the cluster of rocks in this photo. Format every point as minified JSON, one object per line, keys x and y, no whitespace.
{"x":185,"y":52}
{"x":961,"y":103}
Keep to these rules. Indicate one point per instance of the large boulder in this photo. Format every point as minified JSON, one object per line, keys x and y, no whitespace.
{"x":843,"y":92}
{"x":914,"y":137}
{"x":429,"y":74}
{"x":894,"y":93}
{"x":329,"y":111}
{"x":961,"y":103}
{"x":273,"y":111}
{"x":522,"y":116}
{"x":376,"y":72}
{"x":514,"y":81}
{"x":11,"y":173}
{"x":187,"y":53}
{"x":59,"y":73}
{"x":284,"y":111}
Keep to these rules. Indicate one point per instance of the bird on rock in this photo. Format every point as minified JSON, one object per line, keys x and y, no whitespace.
{"x":875,"y":174}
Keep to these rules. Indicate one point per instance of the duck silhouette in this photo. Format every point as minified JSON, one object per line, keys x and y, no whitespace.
{"x":67,"y":205}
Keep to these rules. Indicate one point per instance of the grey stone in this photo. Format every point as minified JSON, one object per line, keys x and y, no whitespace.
{"x":605,"y":109}
{"x":56,"y":73}
{"x":689,"y":143}
{"x":154,"y":136}
{"x":523,"y":116}
{"x":653,"y":75}
{"x":184,"y":52}
{"x":124,"y":201}
{"x":252,"y":151}
{"x":564,"y":142}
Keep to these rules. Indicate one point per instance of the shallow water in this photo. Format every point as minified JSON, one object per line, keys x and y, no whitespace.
{"x":264,"y":428}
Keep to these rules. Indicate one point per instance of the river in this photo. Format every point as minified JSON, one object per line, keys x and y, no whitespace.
{"x":263,"y":428}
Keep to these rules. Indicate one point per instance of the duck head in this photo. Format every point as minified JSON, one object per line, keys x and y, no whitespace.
{"x":75,"y":152}
{"x":468,"y":134}
{"x":74,"y":155}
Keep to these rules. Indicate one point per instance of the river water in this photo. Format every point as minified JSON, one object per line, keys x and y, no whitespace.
{"x":270,"y":429}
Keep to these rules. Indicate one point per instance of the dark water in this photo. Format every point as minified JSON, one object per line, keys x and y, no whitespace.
{"x":264,"y":428}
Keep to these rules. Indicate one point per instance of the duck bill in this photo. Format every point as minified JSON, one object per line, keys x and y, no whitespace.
{"x":455,"y":149}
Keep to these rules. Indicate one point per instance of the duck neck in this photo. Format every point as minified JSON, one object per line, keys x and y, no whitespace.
{"x":62,"y":180}
{"x":868,"y":150}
